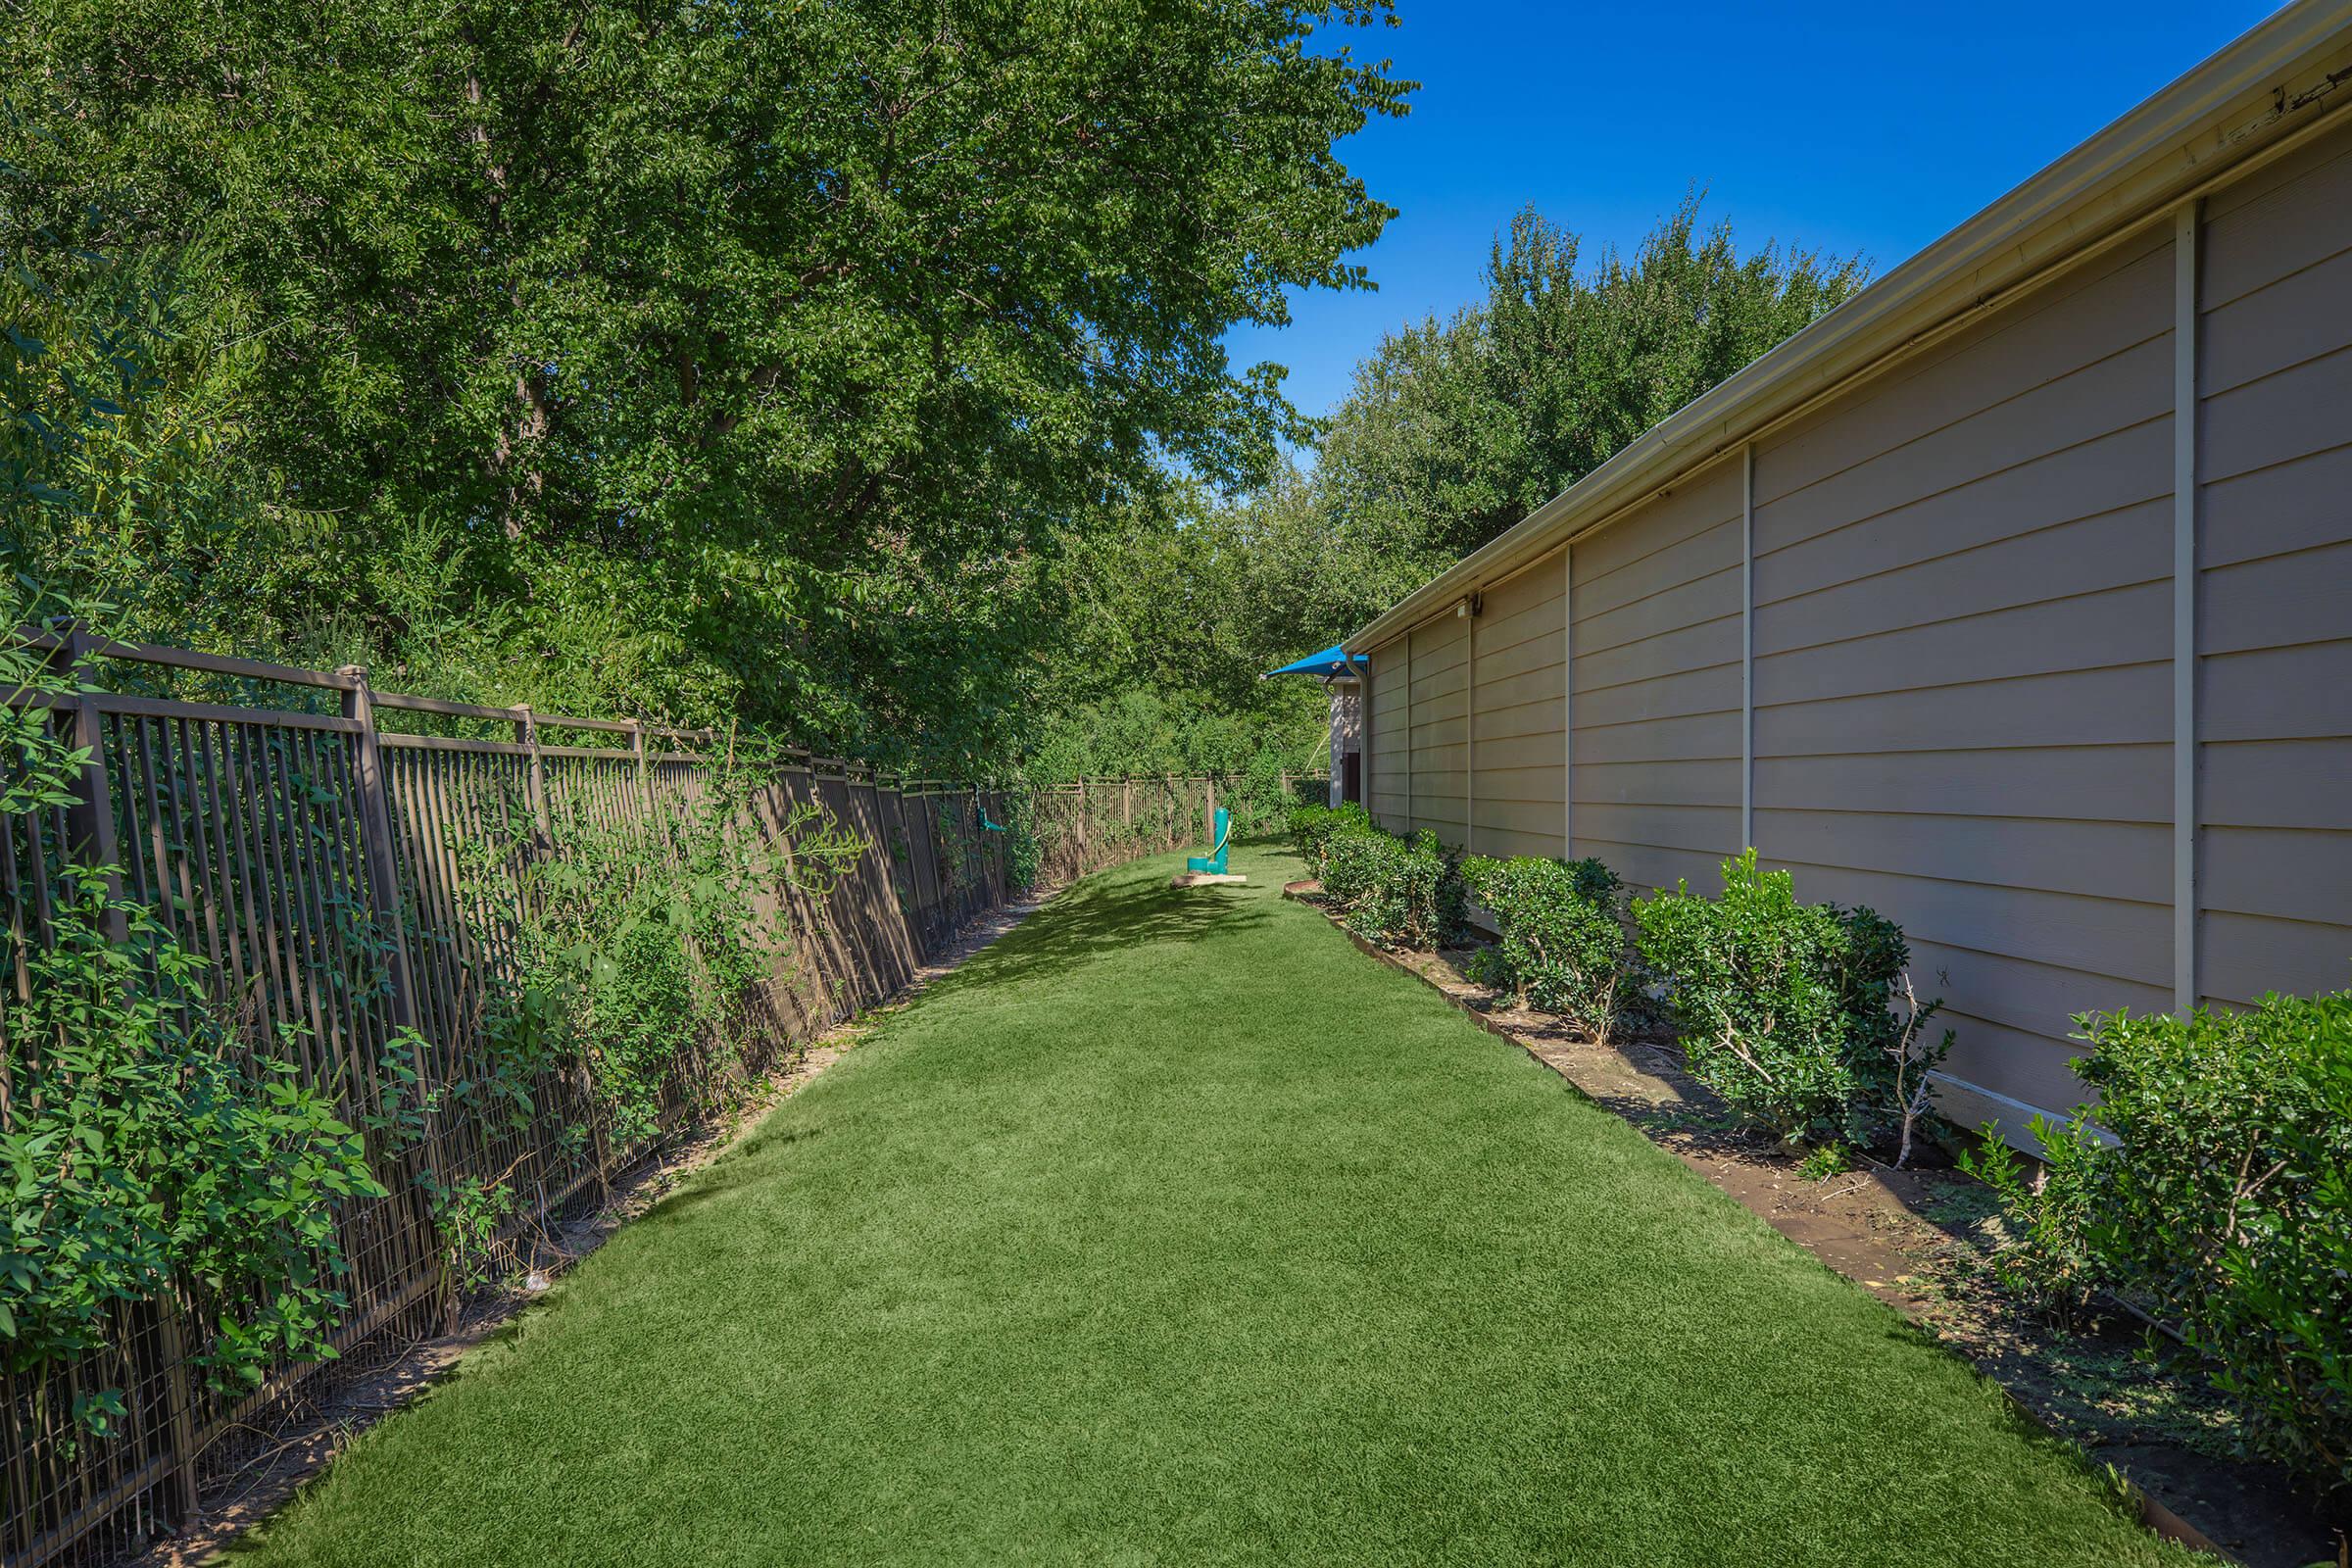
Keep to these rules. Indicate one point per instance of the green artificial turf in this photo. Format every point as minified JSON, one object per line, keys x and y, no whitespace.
{"x":1174,"y":1230}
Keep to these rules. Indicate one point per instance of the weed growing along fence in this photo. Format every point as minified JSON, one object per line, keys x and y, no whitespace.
{"x":315,"y":997}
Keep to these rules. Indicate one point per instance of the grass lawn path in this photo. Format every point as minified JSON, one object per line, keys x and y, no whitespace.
{"x":1171,"y":1229}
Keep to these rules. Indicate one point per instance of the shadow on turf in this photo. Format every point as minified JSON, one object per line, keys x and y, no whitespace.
{"x":1097,"y":917}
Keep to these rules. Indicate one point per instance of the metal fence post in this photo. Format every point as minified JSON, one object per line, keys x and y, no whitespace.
{"x":375,"y":841}
{"x":90,"y":819}
{"x":90,"y":844}
{"x":375,"y":787}
{"x":527,"y":733}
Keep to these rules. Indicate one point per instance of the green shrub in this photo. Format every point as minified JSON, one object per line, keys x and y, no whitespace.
{"x":1354,"y":864}
{"x":633,"y":945}
{"x":149,"y":1148}
{"x":142,"y":1157}
{"x":1394,"y":891}
{"x":1786,"y":1009}
{"x":1312,"y":827}
{"x":1024,"y":854}
{"x":2223,"y":1205}
{"x":1563,"y":946}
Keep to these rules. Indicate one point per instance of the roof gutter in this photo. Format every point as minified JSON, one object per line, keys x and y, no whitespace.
{"x":2268,"y":91}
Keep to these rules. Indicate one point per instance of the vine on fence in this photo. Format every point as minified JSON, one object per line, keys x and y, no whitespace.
{"x":630,"y":947}
{"x":144,"y":1160}
{"x":147,"y":1153}
{"x":956,"y":845}
{"x":1024,"y":855}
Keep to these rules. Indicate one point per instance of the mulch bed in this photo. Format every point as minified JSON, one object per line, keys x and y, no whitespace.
{"x":1916,"y":1239}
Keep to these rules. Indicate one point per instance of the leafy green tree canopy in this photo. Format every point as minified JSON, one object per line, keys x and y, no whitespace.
{"x":1457,"y":429}
{"x":714,"y":359}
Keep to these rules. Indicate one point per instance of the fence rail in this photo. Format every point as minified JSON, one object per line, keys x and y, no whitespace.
{"x":319,"y":865}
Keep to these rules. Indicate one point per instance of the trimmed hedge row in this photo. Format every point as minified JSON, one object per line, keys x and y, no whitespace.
{"x":1800,"y":1016}
{"x":1406,"y":892}
{"x":2210,"y":1186}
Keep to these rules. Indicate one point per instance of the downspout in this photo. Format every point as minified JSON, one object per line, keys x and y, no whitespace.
{"x":1470,"y":735}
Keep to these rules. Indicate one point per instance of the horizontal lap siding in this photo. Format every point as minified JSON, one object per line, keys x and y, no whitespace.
{"x":1440,"y":725}
{"x":1390,"y":742}
{"x":1962,"y":664}
{"x":1656,"y":666}
{"x":1963,"y":649}
{"x":1518,"y":748}
{"x":2274,"y":581}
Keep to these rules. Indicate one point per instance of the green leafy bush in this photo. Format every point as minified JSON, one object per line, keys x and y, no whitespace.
{"x":2223,"y":1205}
{"x":635,"y":944}
{"x":1354,"y":864}
{"x":1563,"y":946}
{"x":1257,"y":796}
{"x":143,"y":1159}
{"x":1024,"y":854}
{"x":1408,"y":892}
{"x":475,"y":1218}
{"x":147,"y":1149}
{"x":1786,"y":1009}
{"x":1313,"y":827}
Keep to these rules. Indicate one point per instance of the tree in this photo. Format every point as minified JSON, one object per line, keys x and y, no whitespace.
{"x":123,"y":444}
{"x":1457,"y":429}
{"x":719,"y":360}
{"x":1163,"y":622}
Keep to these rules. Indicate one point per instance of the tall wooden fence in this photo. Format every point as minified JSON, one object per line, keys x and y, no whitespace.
{"x":319,"y":844}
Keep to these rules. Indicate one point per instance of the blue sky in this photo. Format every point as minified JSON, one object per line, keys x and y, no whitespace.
{"x":1859,"y":128}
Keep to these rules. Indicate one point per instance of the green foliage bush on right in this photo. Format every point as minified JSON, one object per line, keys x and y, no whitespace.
{"x":1785,"y":1009}
{"x":2211,"y":1186}
{"x":1405,"y":893}
{"x":1563,"y":946}
{"x":1313,"y":827}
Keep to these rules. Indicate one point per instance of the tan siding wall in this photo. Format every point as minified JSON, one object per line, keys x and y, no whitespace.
{"x":1656,"y":666}
{"x":2275,"y":585}
{"x":1963,"y":645}
{"x":1963,"y":649}
{"x":1390,"y":743}
{"x":1522,"y":661}
{"x":1441,"y":682}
